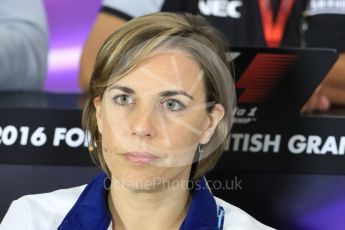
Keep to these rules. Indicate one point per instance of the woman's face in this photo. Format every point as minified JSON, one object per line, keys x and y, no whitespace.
{"x":152,"y":120}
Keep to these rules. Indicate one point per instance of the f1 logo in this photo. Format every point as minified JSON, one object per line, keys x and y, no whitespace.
{"x":262,"y":76}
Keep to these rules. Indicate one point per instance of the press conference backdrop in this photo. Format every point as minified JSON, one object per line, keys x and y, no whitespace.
{"x":283,"y":167}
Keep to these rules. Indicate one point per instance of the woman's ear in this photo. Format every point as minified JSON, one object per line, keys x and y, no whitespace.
{"x":214,"y":117}
{"x":97,"y":103}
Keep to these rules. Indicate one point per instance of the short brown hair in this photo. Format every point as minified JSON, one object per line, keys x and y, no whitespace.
{"x":154,"y":31}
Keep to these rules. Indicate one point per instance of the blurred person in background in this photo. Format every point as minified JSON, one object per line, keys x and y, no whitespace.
{"x":238,"y":20}
{"x":253,"y":23}
{"x":323,"y":25}
{"x":23,"y":45}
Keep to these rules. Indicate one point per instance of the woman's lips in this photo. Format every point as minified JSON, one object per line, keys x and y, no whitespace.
{"x":140,"y":157}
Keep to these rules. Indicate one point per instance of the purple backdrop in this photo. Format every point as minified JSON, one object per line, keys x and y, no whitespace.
{"x":69,"y":24}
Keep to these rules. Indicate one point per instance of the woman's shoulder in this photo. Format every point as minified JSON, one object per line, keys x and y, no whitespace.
{"x":41,"y":211}
{"x":236,"y":218}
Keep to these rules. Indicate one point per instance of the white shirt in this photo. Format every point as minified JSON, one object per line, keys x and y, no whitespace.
{"x":46,"y":211}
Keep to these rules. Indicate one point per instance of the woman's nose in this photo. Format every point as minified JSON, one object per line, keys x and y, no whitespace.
{"x":143,"y":122}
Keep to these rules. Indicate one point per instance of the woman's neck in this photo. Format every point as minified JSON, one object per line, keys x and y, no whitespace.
{"x":160,"y":209}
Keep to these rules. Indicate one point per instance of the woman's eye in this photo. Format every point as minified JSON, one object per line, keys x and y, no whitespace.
{"x":123,"y":99}
{"x":173,"y":105}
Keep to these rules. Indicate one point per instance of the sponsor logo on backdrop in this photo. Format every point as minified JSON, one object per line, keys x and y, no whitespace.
{"x":221,"y":8}
{"x":316,"y":7}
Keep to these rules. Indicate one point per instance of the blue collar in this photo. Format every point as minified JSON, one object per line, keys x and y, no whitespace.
{"x":91,"y":209}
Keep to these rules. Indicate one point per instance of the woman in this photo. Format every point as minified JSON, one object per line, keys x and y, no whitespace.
{"x":159,"y":113}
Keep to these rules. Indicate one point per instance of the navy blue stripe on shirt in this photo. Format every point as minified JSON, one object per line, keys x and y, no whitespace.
{"x":202,"y":212}
{"x":91,"y":209}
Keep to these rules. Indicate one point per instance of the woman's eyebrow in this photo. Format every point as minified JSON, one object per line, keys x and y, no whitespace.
{"x":167,"y":93}
{"x":122,"y":88}
{"x":175,"y":92}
